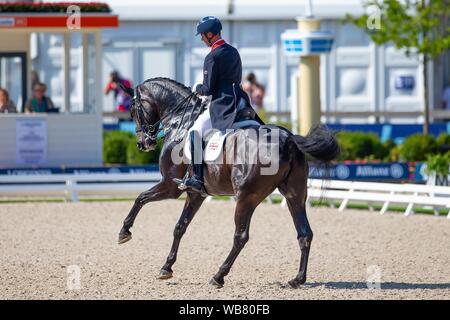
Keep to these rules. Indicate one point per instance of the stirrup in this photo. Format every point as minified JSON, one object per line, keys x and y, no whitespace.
{"x":202,"y":189}
{"x":183,"y":186}
{"x":182,"y":182}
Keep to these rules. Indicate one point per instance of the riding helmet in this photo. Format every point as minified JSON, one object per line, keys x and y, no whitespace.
{"x":209,"y":24}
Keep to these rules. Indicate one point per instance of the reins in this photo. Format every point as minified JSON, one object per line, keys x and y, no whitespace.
{"x":151,"y":131}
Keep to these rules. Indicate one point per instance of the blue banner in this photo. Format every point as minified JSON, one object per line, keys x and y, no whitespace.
{"x":80,"y":170}
{"x":396,"y":171}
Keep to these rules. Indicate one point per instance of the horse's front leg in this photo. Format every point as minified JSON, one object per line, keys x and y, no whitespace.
{"x":165,"y":189}
{"x":242,"y":217}
{"x":193,"y":202}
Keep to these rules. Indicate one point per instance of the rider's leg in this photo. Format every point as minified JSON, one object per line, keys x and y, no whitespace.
{"x":202,"y":124}
{"x":196,"y":181}
{"x":195,"y":134}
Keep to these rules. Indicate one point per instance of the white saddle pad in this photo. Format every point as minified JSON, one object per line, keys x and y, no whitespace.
{"x":213,"y":149}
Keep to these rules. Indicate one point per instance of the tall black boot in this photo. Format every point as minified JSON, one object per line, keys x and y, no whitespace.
{"x":195,"y":182}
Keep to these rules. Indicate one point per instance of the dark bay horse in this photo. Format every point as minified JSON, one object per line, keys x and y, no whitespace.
{"x":162,"y":103}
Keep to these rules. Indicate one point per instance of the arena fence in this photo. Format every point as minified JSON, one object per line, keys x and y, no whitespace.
{"x":72,"y":186}
{"x":385,"y":194}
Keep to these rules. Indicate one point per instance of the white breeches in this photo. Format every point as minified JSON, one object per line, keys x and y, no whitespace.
{"x":202,"y":124}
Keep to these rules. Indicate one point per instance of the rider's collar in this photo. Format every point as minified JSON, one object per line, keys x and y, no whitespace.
{"x":218,"y":43}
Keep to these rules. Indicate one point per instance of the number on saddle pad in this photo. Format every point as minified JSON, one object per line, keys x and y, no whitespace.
{"x":213,"y":149}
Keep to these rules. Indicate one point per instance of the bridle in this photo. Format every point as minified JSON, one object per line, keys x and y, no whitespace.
{"x":151,"y":131}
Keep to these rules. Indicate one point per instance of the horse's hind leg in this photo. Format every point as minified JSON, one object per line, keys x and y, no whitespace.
{"x":163,"y":190}
{"x":193,"y":202}
{"x":242,"y":217}
{"x":295,"y":193}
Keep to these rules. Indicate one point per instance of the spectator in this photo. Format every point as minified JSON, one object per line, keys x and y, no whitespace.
{"x":39,"y":102}
{"x":258,"y":96}
{"x":34,"y":78}
{"x":255,"y":90}
{"x":6,"y":105}
{"x":446,"y":97}
{"x":249,"y":83}
{"x":122,"y":99}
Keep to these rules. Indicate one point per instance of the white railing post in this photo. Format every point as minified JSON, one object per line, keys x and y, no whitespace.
{"x":345,"y":201}
{"x":409,"y":210}
{"x":70,"y":187}
{"x":386,"y":204}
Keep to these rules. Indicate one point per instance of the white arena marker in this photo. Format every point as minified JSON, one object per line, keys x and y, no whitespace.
{"x":73,"y":277}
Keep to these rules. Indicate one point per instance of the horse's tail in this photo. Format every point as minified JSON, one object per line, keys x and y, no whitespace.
{"x":320,"y":143}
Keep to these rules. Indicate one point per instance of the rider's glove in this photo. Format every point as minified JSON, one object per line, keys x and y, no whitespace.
{"x":194,"y":87}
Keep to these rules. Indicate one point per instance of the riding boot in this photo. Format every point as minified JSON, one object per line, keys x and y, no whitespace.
{"x":195,"y":182}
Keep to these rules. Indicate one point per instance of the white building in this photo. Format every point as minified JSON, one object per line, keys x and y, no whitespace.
{"x":361,"y":83}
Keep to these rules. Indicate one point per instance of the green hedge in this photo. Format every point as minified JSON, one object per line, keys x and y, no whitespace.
{"x":119,"y":147}
{"x":443,"y":140}
{"x":417,"y":146}
{"x":115,"y":144}
{"x":362,"y":146}
{"x":137,"y":157}
{"x":367,"y":146}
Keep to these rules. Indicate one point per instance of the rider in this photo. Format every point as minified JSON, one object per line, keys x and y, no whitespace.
{"x":222,"y":75}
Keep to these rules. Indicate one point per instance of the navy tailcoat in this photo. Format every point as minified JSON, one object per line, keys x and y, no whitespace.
{"x":222,"y":75}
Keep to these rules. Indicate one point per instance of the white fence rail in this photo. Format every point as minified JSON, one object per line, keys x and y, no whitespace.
{"x":384,"y":194}
{"x":71,"y":186}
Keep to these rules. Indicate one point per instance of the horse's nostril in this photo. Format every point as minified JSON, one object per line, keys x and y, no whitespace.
{"x":139,"y":145}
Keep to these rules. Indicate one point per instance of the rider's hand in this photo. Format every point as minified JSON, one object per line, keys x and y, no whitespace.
{"x":194,"y":87}
{"x":205,"y":99}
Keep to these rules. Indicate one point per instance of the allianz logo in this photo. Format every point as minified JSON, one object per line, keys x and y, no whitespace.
{"x":394,"y":170}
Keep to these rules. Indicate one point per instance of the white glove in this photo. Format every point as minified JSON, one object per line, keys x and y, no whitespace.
{"x":206,"y":100}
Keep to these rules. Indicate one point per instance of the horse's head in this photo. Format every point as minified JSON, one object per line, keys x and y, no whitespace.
{"x":161,"y":102}
{"x":146,"y":115}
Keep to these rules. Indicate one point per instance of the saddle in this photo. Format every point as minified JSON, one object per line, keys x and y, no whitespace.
{"x":212,"y":148}
{"x":245,"y":112}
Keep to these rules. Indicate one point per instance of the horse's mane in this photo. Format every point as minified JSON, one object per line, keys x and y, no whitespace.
{"x":170,"y":83}
{"x":173,"y":93}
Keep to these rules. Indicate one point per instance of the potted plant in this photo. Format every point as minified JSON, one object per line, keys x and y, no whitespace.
{"x":438,"y":169}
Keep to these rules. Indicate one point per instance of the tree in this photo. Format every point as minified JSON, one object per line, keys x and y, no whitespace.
{"x":416,"y":26}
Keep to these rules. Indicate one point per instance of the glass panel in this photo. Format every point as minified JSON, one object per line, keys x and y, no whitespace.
{"x":47,"y":66}
{"x":115,"y":59}
{"x":158,"y":62}
{"x":11,"y":79}
{"x":76,"y":73}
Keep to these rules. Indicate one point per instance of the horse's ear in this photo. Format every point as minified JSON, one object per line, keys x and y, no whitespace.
{"x":128,"y":91}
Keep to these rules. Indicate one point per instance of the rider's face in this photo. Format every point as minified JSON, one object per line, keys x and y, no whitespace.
{"x":205,"y":38}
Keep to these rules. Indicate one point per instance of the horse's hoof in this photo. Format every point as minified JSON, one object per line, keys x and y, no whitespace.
{"x":216,"y":283}
{"x":124,"y":237}
{"x":164,"y":274}
{"x":296,"y":283}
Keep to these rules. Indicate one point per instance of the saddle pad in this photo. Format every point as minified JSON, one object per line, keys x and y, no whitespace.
{"x":213,"y":149}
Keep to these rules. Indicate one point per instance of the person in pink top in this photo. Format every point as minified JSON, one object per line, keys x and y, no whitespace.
{"x":123,"y":100}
